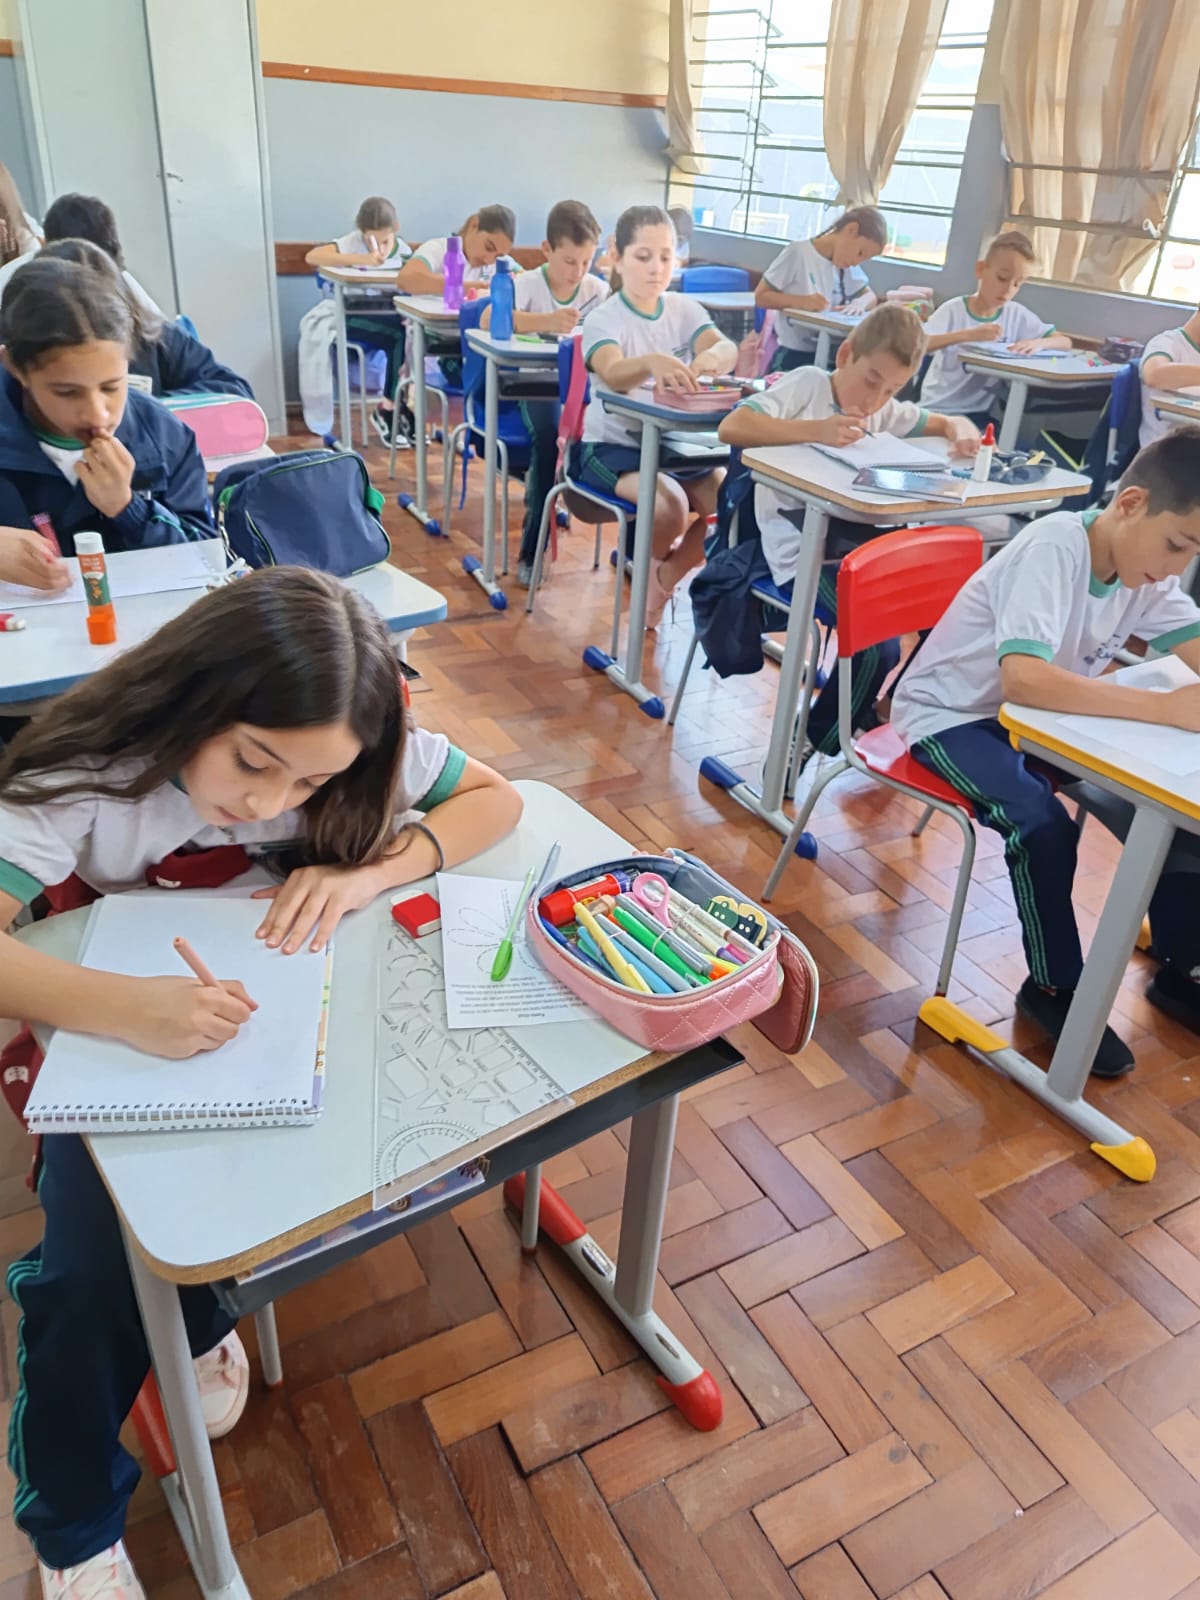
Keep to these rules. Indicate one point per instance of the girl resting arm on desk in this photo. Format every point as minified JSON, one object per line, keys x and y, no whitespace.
{"x":75,"y":443}
{"x":486,"y":235}
{"x":268,"y":716}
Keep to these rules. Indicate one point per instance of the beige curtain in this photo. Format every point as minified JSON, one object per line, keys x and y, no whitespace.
{"x":1107,"y":88}
{"x":878,"y":54}
{"x":682,"y":139}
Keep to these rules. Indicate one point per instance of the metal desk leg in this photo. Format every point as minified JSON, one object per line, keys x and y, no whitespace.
{"x":767,"y":803}
{"x":345,"y":437}
{"x":821,"y":358}
{"x":1014,"y":410}
{"x":1061,"y":1089}
{"x":416,"y":506}
{"x":629,"y":675}
{"x":484,"y":572}
{"x":193,"y":1495}
{"x":627,"y":1286}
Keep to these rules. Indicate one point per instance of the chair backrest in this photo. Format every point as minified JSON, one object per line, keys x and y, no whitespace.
{"x":474,"y":366}
{"x":713,"y":280}
{"x":902,"y":582}
{"x":572,"y":389}
{"x":186,"y":323}
{"x":1124,"y":405}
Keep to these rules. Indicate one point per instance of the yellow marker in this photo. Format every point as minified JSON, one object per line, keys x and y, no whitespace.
{"x":628,"y":976}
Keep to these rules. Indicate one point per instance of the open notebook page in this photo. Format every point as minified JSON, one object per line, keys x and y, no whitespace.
{"x":270,"y":1062}
{"x":131,"y":572}
{"x":883,"y":450}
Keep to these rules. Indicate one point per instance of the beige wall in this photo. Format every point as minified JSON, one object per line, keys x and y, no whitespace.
{"x":617,"y":46}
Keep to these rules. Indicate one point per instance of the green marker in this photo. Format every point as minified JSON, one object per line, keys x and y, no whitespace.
{"x":504,"y":954}
{"x":652,"y":942}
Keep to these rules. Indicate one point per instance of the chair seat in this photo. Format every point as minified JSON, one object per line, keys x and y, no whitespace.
{"x":598,"y":496}
{"x":766,"y":589}
{"x":442,"y":382}
{"x":884,"y":753}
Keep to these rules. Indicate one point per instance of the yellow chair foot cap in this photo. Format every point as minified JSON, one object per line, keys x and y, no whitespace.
{"x":1134,"y":1158}
{"x":954,"y":1024}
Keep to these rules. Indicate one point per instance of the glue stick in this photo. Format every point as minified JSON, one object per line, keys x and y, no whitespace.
{"x":101,"y":618}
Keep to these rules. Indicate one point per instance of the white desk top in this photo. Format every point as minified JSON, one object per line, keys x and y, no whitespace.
{"x":812,"y":475}
{"x":831,"y":321}
{"x":54,"y":651}
{"x":202,"y":1200}
{"x":426,"y":308}
{"x":640,"y":403}
{"x":1102,"y":760}
{"x":1181,"y":403}
{"x":723,"y":299}
{"x":1070,"y":367}
{"x":364,"y":275}
{"x":517,"y":352}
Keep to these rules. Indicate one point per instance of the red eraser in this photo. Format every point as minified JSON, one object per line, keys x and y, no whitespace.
{"x":417,"y":915}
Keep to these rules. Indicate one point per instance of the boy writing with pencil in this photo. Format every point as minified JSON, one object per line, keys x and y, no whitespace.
{"x":1171,"y":361}
{"x":1038,"y":625}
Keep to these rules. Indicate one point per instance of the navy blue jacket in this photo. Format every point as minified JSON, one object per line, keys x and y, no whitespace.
{"x":177,"y":363}
{"x":170,"y":502}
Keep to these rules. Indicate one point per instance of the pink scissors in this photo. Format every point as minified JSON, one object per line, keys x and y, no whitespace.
{"x":652,"y":892}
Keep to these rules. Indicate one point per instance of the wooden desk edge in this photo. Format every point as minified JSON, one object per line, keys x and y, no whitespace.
{"x":1014,"y":369}
{"x":1032,"y":494}
{"x":233,"y":1266}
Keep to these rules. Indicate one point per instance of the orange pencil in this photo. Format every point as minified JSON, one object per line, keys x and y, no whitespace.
{"x":184,"y":950}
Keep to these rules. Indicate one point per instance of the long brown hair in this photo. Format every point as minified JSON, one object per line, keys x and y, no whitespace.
{"x":284,"y":647}
{"x":147,"y":326}
{"x":629,"y":224}
{"x":13,"y":226}
{"x":869,"y":221}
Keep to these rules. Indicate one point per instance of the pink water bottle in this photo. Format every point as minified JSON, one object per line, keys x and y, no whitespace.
{"x":453,"y":268}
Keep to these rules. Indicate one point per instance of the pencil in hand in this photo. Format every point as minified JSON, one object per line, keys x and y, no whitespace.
{"x":186,"y":954}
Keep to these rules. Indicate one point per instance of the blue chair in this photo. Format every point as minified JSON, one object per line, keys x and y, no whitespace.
{"x":512,"y":440}
{"x":713,"y":280}
{"x":186,"y":323}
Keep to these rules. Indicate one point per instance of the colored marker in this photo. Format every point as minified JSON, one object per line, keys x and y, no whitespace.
{"x":610,"y":952}
{"x":676,"y":982}
{"x":186,"y":954}
{"x":656,"y":943}
{"x":11,"y":623}
{"x":635,"y":957}
{"x":698,"y":960}
{"x":46,"y":528}
{"x":562,"y":940}
{"x":504,"y":952}
{"x":653,"y":982}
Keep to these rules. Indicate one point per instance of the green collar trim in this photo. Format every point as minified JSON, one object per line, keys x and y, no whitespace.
{"x":57,"y":442}
{"x":1189,"y":339}
{"x":966,"y":300}
{"x":1096,"y":587}
{"x":646,"y":316}
{"x":570,"y":300}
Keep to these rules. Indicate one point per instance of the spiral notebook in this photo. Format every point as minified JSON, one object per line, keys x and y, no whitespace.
{"x":270,"y":1075}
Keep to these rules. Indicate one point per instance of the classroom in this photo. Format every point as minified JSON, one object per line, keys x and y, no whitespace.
{"x":600,"y":800}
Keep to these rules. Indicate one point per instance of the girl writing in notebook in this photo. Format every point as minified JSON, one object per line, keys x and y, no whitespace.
{"x":821,"y":274}
{"x":268,"y":716}
{"x":644,"y":335}
{"x":76,"y":444}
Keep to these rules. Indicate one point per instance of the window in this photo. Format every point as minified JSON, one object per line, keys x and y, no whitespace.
{"x":758,"y":75}
{"x":1173,"y":271}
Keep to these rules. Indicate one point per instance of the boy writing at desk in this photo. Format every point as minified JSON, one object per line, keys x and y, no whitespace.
{"x":1038,"y":625}
{"x":1171,"y":361}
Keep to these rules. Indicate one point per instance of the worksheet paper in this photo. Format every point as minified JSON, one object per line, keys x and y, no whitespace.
{"x":1003,"y":350}
{"x":475,"y":914}
{"x":131,"y":572}
{"x":1142,"y":744}
{"x":883,"y":450}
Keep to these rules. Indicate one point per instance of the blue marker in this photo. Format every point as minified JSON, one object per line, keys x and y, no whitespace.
{"x":655,"y":983}
{"x":565,"y":943}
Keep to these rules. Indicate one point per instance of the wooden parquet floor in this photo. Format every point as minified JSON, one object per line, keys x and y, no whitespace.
{"x":960,"y":1356}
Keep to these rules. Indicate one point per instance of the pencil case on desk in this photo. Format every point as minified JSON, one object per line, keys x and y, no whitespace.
{"x":775,"y":989}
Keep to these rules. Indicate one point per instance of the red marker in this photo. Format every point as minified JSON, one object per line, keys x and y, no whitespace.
{"x":46,"y":528}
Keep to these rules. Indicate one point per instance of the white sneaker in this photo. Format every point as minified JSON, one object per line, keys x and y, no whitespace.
{"x":107,"y":1576}
{"x":224,"y":1379}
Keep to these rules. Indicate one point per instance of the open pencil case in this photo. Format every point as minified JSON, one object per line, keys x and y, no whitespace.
{"x":775,"y":989}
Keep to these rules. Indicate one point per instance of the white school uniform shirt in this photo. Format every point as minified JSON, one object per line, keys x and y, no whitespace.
{"x":532,"y":293}
{"x":1037,"y":597}
{"x":1176,"y":346}
{"x":806,"y":395}
{"x":433,"y":255}
{"x":800,"y":268}
{"x":948,"y":386}
{"x":111,"y":843}
{"x":672,"y":330}
{"x":355,"y":243}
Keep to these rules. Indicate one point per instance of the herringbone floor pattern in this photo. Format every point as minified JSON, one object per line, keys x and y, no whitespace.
{"x":960,"y":1358}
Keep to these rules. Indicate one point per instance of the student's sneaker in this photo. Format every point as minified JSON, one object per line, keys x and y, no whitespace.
{"x":525,"y":573}
{"x":1176,"y":991}
{"x":398,"y":421}
{"x":108,"y":1576}
{"x":1048,"y":1008}
{"x":224,"y":1378}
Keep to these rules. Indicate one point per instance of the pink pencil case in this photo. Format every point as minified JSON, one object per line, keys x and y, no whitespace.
{"x":776,"y":989}
{"x":224,"y":424}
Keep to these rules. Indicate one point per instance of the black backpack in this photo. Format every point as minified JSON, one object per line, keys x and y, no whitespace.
{"x":310,"y":508}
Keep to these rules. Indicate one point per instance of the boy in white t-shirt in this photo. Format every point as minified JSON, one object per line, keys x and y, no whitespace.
{"x":821,"y":274}
{"x":550,"y":300}
{"x":1171,"y":362}
{"x":374,"y":241}
{"x":1038,"y":625}
{"x":991,"y":313}
{"x":810,"y":406}
{"x":486,"y":235}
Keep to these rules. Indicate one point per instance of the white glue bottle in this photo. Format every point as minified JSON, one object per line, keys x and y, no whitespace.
{"x":981,"y":471}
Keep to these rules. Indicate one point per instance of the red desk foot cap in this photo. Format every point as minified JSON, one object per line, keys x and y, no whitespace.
{"x":699,"y":1399}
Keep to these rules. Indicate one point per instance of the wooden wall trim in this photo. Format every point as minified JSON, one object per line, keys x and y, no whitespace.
{"x":7,"y":48}
{"x":290,"y":262}
{"x":510,"y":91}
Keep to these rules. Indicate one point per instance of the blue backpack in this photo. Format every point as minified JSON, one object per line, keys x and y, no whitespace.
{"x":311,"y":508}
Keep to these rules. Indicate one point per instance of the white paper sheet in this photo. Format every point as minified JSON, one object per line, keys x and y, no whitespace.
{"x":1142,"y":744}
{"x":882,"y":450}
{"x":475,"y":914}
{"x":1003,"y":350}
{"x":271,"y":1060}
{"x":132,"y":572}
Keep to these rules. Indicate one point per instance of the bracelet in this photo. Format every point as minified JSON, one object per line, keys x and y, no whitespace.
{"x":420,"y":827}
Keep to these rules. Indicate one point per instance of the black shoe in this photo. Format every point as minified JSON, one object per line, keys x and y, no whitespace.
{"x":1174,"y":991}
{"x":1048,"y":1008}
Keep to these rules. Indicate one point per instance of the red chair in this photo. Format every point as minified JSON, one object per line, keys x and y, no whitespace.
{"x":898,"y":583}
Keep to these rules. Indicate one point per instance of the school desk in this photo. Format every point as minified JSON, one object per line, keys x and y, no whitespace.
{"x":426,"y":317}
{"x":830,"y":325}
{"x":824,"y":488}
{"x":54,"y":652}
{"x":204,"y":1208}
{"x":1181,"y":405}
{"x":343,"y":278}
{"x":1163,"y":801}
{"x":657,"y":421}
{"x":502,"y":358}
{"x":1069,"y":370}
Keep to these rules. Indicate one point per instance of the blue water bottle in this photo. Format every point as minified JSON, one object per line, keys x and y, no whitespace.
{"x":453,"y":268}
{"x":502,"y":301}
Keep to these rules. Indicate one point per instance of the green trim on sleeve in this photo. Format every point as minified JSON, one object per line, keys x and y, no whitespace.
{"x":753,"y":405}
{"x":922,"y":423}
{"x":599,"y":345}
{"x":447,"y":782}
{"x":1025,"y":647}
{"x":703,"y":328}
{"x":425,"y":262}
{"x":22,"y":885}
{"x":1177,"y":636}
